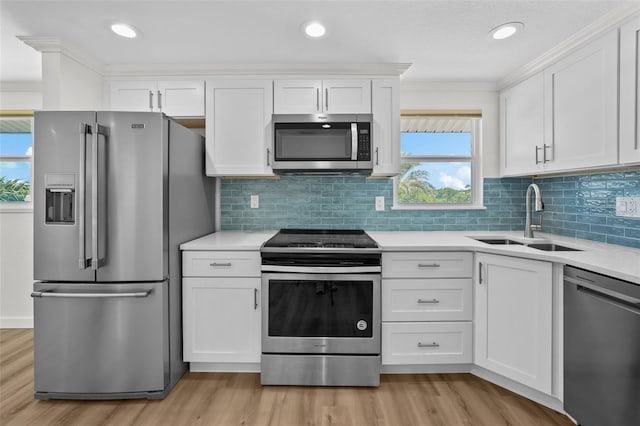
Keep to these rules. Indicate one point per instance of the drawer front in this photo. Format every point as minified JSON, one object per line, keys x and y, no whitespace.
{"x":426,"y":343}
{"x":427,"y":265}
{"x":433,"y":299}
{"x":221,"y":264}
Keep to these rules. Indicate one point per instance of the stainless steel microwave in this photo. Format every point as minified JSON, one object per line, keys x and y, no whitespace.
{"x":322,"y":143}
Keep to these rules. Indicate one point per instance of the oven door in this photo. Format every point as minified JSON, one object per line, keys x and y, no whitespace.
{"x":321,"y":313}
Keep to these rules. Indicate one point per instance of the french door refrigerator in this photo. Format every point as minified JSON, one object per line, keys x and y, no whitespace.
{"x":115,"y":193}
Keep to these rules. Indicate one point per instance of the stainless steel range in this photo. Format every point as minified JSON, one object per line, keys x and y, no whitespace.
{"x":321,"y":308}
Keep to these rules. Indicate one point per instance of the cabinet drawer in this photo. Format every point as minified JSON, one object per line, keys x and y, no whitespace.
{"x":427,"y":343}
{"x":221,"y":264}
{"x":427,"y":265}
{"x":438,"y":299}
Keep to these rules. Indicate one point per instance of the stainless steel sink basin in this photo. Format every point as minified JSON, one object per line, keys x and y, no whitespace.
{"x":551,"y":247}
{"x":497,"y":241}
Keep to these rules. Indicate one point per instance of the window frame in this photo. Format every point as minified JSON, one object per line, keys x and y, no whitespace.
{"x":19,"y":206}
{"x":475,"y":159}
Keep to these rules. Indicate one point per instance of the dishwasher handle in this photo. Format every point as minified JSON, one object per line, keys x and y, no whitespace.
{"x":607,"y":295}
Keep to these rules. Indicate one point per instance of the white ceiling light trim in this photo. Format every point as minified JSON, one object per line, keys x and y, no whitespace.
{"x":124,"y":30}
{"x":314,"y":29}
{"x":506,"y":30}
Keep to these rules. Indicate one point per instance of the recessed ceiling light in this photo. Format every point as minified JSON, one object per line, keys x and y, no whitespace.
{"x":506,"y":30}
{"x":314,"y":29}
{"x":124,"y":30}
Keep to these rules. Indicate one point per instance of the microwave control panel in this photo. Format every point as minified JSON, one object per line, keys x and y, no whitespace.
{"x":364,"y":142}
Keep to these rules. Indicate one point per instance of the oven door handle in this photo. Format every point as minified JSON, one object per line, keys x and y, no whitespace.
{"x":322,"y":269}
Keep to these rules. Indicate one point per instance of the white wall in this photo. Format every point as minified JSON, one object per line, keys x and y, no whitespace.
{"x":466,"y":96}
{"x":68,"y":84}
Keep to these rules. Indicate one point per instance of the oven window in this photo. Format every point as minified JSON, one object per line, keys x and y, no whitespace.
{"x":320,"y":308}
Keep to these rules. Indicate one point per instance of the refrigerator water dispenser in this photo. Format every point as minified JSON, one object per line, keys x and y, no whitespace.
{"x":59,"y":198}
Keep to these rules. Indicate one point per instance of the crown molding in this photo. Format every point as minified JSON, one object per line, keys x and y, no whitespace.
{"x":605,"y":23}
{"x":381,"y":70}
{"x":449,"y":86}
{"x":46,"y":44}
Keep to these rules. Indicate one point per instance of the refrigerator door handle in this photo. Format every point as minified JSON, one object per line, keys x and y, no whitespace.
{"x":91,"y":295}
{"x":82,"y":183}
{"x":96,"y":262}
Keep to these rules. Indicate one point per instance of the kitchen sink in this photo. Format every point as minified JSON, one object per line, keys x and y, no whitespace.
{"x":497,"y":241}
{"x":551,"y":247}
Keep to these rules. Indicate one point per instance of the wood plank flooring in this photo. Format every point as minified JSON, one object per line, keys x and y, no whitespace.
{"x":228,"y":399}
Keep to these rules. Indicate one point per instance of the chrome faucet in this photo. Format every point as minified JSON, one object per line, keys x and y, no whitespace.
{"x":538,"y":206}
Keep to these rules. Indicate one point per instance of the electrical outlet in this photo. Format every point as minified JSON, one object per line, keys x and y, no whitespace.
{"x":628,"y":206}
{"x":255,"y":201}
{"x":380,"y":203}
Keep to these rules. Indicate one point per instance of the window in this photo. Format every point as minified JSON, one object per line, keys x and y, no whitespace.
{"x":440,"y":162}
{"x":16,"y":139}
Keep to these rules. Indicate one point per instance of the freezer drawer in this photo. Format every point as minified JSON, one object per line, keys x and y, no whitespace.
{"x":100,"y":341}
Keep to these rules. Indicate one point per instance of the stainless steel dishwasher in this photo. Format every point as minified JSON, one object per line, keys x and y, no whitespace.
{"x":601,"y":349}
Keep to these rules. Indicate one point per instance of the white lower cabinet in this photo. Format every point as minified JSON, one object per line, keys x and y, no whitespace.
{"x":221,"y":307}
{"x":427,"y":308}
{"x":513,"y":319}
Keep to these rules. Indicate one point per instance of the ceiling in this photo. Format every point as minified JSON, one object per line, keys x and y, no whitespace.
{"x":443,"y":40}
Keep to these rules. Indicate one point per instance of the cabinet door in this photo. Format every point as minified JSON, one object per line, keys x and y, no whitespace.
{"x":238,"y":127}
{"x":581,"y":119}
{"x":133,"y":95}
{"x":385,"y":106}
{"x":297,"y":96}
{"x":350,"y":96}
{"x":522,"y":147}
{"x":181,"y":98}
{"x":630,"y":92}
{"x":221,"y":319}
{"x":513,"y":319}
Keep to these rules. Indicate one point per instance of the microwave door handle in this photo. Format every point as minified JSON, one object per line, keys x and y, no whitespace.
{"x":354,"y":141}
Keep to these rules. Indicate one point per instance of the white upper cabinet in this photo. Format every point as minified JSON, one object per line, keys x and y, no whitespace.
{"x":513,"y":319}
{"x":238,"y":127}
{"x":522,"y":146}
{"x":385,"y":105}
{"x":581,"y":107}
{"x":176,"y":98}
{"x":336,"y":96}
{"x":630,"y":92}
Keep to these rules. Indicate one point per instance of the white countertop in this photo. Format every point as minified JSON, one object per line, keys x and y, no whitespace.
{"x":609,"y":259}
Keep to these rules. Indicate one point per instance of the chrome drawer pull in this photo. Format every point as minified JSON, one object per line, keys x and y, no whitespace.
{"x":428,"y":345}
{"x":214,"y":264}
{"x":428,"y":265}
{"x":428,"y":301}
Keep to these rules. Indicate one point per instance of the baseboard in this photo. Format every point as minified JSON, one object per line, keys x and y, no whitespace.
{"x":224,"y":367}
{"x":426,"y":369}
{"x":16,"y":322}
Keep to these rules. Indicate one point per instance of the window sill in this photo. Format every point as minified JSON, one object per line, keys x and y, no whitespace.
{"x":436,"y":207}
{"x":16,"y":207}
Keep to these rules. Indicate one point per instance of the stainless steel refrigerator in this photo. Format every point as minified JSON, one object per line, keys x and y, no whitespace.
{"x":115,"y":193}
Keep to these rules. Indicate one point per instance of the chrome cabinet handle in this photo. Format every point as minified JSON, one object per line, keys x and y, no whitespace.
{"x":480,"y":273}
{"x":226,"y":264}
{"x":377,"y":156}
{"x":159,"y":100}
{"x":90,"y":295}
{"x":150,"y":100}
{"x":428,"y":345}
{"x":82,"y":182}
{"x":544,"y":153}
{"x":326,"y":99}
{"x":255,"y":299}
{"x":537,"y":159}
{"x":432,"y":301}
{"x":428,"y":265}
{"x":318,"y":100}
{"x":268,"y":157}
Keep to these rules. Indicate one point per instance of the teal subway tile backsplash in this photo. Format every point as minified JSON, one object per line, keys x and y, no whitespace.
{"x":576,"y":206}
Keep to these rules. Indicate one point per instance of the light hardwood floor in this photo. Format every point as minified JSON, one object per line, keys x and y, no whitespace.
{"x":238,"y":399}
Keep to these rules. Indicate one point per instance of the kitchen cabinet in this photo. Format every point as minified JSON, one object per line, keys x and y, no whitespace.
{"x":426,"y":308}
{"x":581,"y":107}
{"x":176,"y":98}
{"x":238,"y":127}
{"x":385,"y":107}
{"x":523,"y":149}
{"x":221,"y":307}
{"x":513,"y":319}
{"x":333,"y":96}
{"x":630,"y":92}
